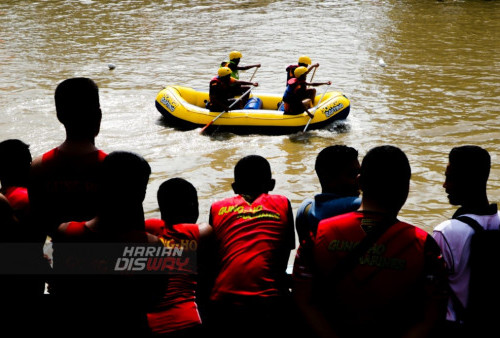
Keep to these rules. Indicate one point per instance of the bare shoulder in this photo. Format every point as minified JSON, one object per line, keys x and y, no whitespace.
{"x":63,"y":227}
{"x":152,"y":238}
{"x":36,"y":164}
{"x":206,"y":230}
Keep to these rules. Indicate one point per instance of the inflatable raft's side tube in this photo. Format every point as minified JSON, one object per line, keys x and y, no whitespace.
{"x":182,"y":107}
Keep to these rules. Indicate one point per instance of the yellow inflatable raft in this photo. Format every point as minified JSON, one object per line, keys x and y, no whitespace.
{"x":184,"y":108}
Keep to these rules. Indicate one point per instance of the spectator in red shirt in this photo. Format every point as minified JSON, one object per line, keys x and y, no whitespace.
{"x":367,"y":273}
{"x":97,"y":295}
{"x":254,"y":234}
{"x":176,"y":313}
{"x":63,"y":183}
{"x":26,"y":237}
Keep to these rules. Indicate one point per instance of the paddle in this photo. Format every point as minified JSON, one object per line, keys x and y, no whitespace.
{"x":224,"y":111}
{"x":255,"y":71}
{"x":312,"y":76}
{"x":310,"y":118}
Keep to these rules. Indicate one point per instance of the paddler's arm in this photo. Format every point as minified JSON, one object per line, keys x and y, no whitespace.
{"x":247,"y":83}
{"x":311,"y":67}
{"x":314,"y":84}
{"x":249,"y":67}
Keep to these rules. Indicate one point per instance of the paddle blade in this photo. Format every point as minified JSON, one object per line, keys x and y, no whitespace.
{"x":307,"y":125}
{"x":205,"y":128}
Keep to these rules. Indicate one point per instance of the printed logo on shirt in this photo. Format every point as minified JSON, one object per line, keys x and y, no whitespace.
{"x":248,"y":212}
{"x":374,"y":256}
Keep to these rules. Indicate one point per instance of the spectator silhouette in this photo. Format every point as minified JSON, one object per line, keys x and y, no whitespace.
{"x":15,"y":165}
{"x":254,"y":234}
{"x":91,"y":251}
{"x":176,"y":313}
{"x":63,"y":181}
{"x":337,"y":168}
{"x":466,"y":185}
{"x":29,"y":268}
{"x":369,"y":274}
{"x":21,"y":288}
{"x":63,"y":185}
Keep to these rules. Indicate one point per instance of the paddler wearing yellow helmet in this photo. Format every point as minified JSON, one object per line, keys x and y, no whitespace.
{"x":221,"y":92}
{"x":234,"y":64}
{"x":297,"y":98}
{"x":304,"y":61}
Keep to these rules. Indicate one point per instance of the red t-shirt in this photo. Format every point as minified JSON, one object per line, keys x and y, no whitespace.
{"x":65,"y":187}
{"x":389,"y":283}
{"x":254,"y":243}
{"x":177,"y":309}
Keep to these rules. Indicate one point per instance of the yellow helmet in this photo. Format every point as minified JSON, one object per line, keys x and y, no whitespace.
{"x":299,"y":71}
{"x":235,"y":55}
{"x":305,"y":59}
{"x":224,"y":71}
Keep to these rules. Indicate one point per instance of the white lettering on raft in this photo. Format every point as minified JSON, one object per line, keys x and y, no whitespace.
{"x":330,"y":111}
{"x":166,"y":100}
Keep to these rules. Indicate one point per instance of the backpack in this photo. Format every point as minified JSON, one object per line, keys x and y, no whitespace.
{"x":483,"y":309}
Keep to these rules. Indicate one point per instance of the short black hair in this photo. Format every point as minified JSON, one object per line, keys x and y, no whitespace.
{"x":77,"y":103}
{"x":15,"y":159}
{"x":384,"y":171}
{"x":178,"y":198}
{"x":333,"y":159}
{"x":125,"y":173}
{"x":471,"y":163}
{"x":252,"y":174}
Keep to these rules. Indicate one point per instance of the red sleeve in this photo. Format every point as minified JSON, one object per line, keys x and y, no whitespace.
{"x":75,"y":229}
{"x":18,"y":198}
{"x":101,"y":155}
{"x":155,"y":226}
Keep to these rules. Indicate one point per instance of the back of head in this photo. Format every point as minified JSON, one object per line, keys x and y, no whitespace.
{"x":336,"y":163}
{"x":252,"y":175}
{"x":471,"y":165}
{"x":78,"y":106}
{"x":235,"y":55}
{"x":223,"y":71}
{"x":178,"y":201}
{"x":299,"y":71}
{"x":124,"y":178}
{"x":15,"y":161}
{"x":385,"y":176}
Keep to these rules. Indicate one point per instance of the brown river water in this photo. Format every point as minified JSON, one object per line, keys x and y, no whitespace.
{"x":423,"y":75}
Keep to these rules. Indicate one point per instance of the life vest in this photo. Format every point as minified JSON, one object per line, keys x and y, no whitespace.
{"x":221,"y":89}
{"x":289,"y":72}
{"x":293,"y":91}
{"x":216,"y":81}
